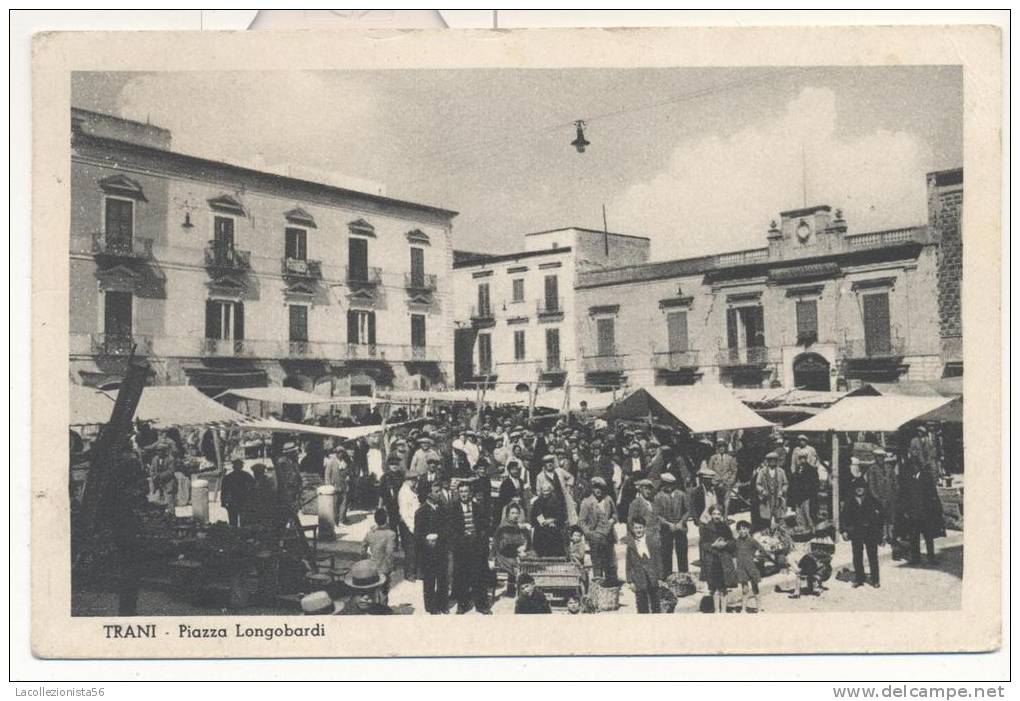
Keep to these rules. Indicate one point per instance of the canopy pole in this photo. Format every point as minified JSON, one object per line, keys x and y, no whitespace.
{"x":532,"y":398}
{"x":835,"y":484}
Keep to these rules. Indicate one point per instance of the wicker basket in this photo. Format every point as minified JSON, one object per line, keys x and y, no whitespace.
{"x":553,"y":573}
{"x":681,"y":584}
{"x":604,"y":598}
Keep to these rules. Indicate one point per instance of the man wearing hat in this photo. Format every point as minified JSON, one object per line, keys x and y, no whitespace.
{"x":425,"y":452}
{"x":805,"y":449}
{"x":513,"y":486}
{"x":365,"y":579}
{"x":407,"y":506}
{"x":863,"y":525}
{"x":431,"y":545}
{"x":772,"y":486}
{"x":670,"y":505}
{"x":703,"y":495}
{"x":336,"y":474}
{"x":803,"y":491}
{"x":318,"y":603}
{"x":561,"y":482}
{"x":882,"y":485}
{"x":468,"y":524}
{"x":641,"y":508}
{"x":236,"y":491}
{"x":724,"y":465}
{"x":596,"y":519}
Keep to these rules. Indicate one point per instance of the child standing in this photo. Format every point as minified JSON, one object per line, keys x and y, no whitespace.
{"x":748,"y":575}
{"x":576,"y":549}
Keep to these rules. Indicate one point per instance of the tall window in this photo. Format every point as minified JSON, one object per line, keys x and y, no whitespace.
{"x":745,"y":327}
{"x":298,"y":323}
{"x":296,"y":243}
{"x":518,"y":289}
{"x":223,"y":234}
{"x":484,"y":354}
{"x":807,"y":321}
{"x":520,"y":350}
{"x":552,"y":293}
{"x":877,"y":334}
{"x":357,"y":259}
{"x":360,"y":327}
{"x":224,"y":320}
{"x":606,"y":335}
{"x":676,"y":327}
{"x":552,"y":349}
{"x":484,"y":305}
{"x":418,"y":330}
{"x":119,"y":220}
{"x":418,"y":267}
{"x":117,"y":314}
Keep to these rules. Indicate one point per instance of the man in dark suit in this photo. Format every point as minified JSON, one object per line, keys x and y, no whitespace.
{"x":863,"y":526}
{"x":469,"y":544}
{"x":514,"y":486}
{"x":431,"y":545}
{"x":235,"y":492}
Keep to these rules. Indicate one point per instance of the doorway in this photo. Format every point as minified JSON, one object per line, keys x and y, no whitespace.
{"x":811,"y":372}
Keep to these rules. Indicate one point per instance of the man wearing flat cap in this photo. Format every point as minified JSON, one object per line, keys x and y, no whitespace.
{"x":724,"y":465}
{"x":863,"y":526}
{"x":596,"y":519}
{"x":772,"y":486}
{"x":670,"y":505}
{"x":641,"y":508}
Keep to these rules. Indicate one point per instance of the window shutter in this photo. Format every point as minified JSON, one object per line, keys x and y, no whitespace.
{"x":807,"y":319}
{"x":418,"y":266}
{"x":552,"y":348}
{"x":756,"y":335}
{"x":676,"y":323}
{"x":552,"y":293}
{"x":418,"y":330}
{"x":371,"y":328}
{"x":212,"y":319}
{"x":238,"y":321}
{"x":606,"y":336}
{"x":352,"y":326}
{"x":732,"y":337}
{"x":876,"y":324}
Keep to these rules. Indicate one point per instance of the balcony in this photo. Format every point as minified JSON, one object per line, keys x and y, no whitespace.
{"x":872,"y":349}
{"x":362,"y":351}
{"x":608,"y":362}
{"x":414,"y":282}
{"x":674,"y":361}
{"x":363,"y":277}
{"x":884,"y":239}
{"x":226,"y":347}
{"x":301,"y":268}
{"x":743,"y":357}
{"x":482,"y":316}
{"x":120,"y":345}
{"x":549,"y":309}
{"x":227,"y":259}
{"x":121,"y":246}
{"x":419,"y":354}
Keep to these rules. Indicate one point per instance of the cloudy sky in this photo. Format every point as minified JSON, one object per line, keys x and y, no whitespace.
{"x":697,"y":159}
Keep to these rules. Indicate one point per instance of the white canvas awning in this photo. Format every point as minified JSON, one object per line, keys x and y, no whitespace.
{"x":181,"y":405}
{"x":89,"y":406}
{"x":883,"y":414}
{"x":347,"y":433}
{"x":702,"y":408}
{"x":289,"y":395}
{"x":557,"y":398}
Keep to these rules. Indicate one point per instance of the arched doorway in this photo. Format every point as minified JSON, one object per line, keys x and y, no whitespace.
{"x":811,"y":371}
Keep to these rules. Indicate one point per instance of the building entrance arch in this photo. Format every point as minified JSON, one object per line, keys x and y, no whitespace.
{"x":811,"y":371}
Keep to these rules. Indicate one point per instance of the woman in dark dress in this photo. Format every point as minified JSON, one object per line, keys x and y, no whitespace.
{"x":920,"y":511}
{"x":717,"y":565}
{"x":549,"y":521}
{"x":510,"y":541}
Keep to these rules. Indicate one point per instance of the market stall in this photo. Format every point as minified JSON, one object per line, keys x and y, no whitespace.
{"x":886,"y":414}
{"x":701,"y":408}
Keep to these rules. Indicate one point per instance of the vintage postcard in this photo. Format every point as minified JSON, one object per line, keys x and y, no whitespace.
{"x":659,"y":335}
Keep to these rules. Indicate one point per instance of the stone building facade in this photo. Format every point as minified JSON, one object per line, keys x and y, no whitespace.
{"x":225,"y":276}
{"x":820,"y":307}
{"x":945,"y":212}
{"x":516,"y":313}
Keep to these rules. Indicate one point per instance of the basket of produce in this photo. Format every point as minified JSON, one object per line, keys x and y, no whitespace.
{"x":604,"y":598}
{"x":681,"y":584}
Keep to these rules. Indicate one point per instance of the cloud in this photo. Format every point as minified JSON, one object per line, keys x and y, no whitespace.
{"x":719,"y":192}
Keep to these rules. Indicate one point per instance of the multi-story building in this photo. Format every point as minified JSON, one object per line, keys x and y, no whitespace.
{"x":515,"y":313}
{"x":945,"y":210}
{"x":226,"y":276}
{"x":819,"y":307}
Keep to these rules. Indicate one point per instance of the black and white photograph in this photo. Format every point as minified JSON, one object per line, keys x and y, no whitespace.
{"x":482,"y":341}
{"x":370,"y":345}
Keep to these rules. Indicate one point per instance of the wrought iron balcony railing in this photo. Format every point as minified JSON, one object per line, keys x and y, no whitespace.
{"x":300,"y":267}
{"x":736,"y":357}
{"x":121,"y":246}
{"x":363,"y":276}
{"x":872,"y":348}
{"x":482,"y":313}
{"x":226,"y":347}
{"x":227,"y":258}
{"x":675,"y":360}
{"x":114,"y":344}
{"x":362,"y":351}
{"x":419,"y":282}
{"x":549,"y":307}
